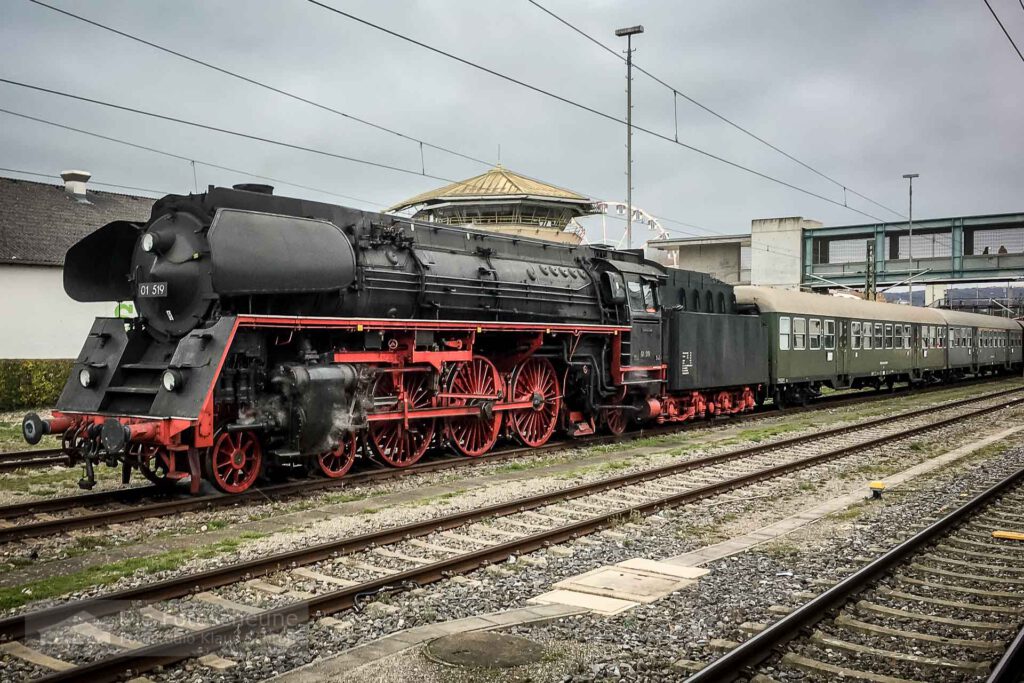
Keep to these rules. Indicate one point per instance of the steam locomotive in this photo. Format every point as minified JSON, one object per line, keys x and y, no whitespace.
{"x":275,"y":332}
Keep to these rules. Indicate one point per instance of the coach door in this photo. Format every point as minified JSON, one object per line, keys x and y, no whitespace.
{"x":842,"y":364}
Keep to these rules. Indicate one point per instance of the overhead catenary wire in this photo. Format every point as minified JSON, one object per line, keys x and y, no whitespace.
{"x":266,"y":86}
{"x":182,"y":157}
{"x":228,"y":72}
{"x":218,"y":129}
{"x":678,"y":93}
{"x":1005,"y":32}
{"x":583,"y":107}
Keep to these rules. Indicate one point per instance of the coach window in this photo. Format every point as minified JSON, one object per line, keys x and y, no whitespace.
{"x":784,"y":334}
{"x":866,"y":330}
{"x":906,"y":336}
{"x":879,"y":337}
{"x":897,"y":336}
{"x":830,"y":335}
{"x":815,"y":333}
{"x":799,"y":334}
{"x":855,"y":335}
{"x":888,"y":336}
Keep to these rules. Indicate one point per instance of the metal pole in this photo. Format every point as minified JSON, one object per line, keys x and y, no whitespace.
{"x":629,"y":142}
{"x":910,"y":222}
{"x":629,"y":33}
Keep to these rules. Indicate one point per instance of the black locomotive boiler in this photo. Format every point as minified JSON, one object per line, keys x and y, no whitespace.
{"x":279,"y":332}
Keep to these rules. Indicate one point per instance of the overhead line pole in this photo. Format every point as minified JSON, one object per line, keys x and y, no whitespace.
{"x":629,"y":33}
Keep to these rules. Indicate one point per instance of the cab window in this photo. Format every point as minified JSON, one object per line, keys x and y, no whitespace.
{"x":650,"y":296}
{"x":636,"y":297}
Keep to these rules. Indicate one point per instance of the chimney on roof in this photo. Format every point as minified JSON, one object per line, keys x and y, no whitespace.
{"x":74,"y":182}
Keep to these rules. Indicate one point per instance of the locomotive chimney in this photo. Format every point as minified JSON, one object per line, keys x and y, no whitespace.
{"x":74,"y":182}
{"x":259,"y":188}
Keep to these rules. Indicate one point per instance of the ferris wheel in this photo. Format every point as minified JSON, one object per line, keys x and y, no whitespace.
{"x":640,"y":218}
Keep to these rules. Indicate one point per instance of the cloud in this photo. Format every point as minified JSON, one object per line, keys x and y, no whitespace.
{"x":862,"y":91}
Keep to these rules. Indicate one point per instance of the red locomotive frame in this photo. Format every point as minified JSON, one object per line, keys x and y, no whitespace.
{"x":472,"y":397}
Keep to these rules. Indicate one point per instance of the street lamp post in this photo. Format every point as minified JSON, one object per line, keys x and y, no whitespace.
{"x":910,"y":224}
{"x":629,"y":33}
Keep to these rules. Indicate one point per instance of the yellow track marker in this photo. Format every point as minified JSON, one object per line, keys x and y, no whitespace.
{"x":1009,"y":535}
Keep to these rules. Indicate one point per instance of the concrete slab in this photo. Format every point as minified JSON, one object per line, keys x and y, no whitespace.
{"x":165,"y":619}
{"x":27,"y":654}
{"x":217,"y":663}
{"x":624,"y":584}
{"x":106,"y":637}
{"x":594,"y":603}
{"x":265,"y":587}
{"x":314,"y":575}
{"x":224,"y":603}
{"x":665,"y":568}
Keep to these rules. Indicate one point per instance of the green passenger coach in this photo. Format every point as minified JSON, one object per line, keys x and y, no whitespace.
{"x":840,"y":342}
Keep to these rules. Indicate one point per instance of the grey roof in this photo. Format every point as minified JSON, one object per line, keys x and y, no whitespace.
{"x":39,"y":221}
{"x":789,"y":301}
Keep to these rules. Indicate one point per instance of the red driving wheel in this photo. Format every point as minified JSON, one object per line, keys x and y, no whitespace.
{"x":336,"y":462}
{"x":478,"y":380}
{"x":401,"y":442}
{"x":233,"y":462}
{"x":535,"y":380}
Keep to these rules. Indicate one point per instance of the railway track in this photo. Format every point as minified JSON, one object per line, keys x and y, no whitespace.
{"x":300,"y":585}
{"x":50,"y":457}
{"x":80,"y":511}
{"x":31,"y":459}
{"x":942,"y":605}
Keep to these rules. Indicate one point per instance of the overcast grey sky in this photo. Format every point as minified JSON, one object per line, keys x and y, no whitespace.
{"x":862,"y":90}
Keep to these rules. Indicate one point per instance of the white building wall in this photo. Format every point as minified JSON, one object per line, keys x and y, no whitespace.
{"x":776,"y":245}
{"x":37,"y":319}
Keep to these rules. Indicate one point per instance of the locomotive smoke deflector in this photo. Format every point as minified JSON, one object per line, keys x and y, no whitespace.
{"x":262,"y":253}
{"x":96,"y":267}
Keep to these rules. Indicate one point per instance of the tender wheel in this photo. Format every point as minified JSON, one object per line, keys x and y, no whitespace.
{"x":473,"y":435}
{"x":400,"y":443}
{"x":234,"y":461}
{"x":336,"y":463}
{"x":536,"y":381}
{"x":615,"y":418}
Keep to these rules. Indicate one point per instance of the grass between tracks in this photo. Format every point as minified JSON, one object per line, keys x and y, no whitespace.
{"x":107,"y":574}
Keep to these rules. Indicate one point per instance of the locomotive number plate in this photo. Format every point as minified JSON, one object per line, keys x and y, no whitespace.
{"x":152,"y":290}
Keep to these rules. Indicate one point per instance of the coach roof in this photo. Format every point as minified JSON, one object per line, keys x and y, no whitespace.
{"x":960,"y":318}
{"x":772,"y":300}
